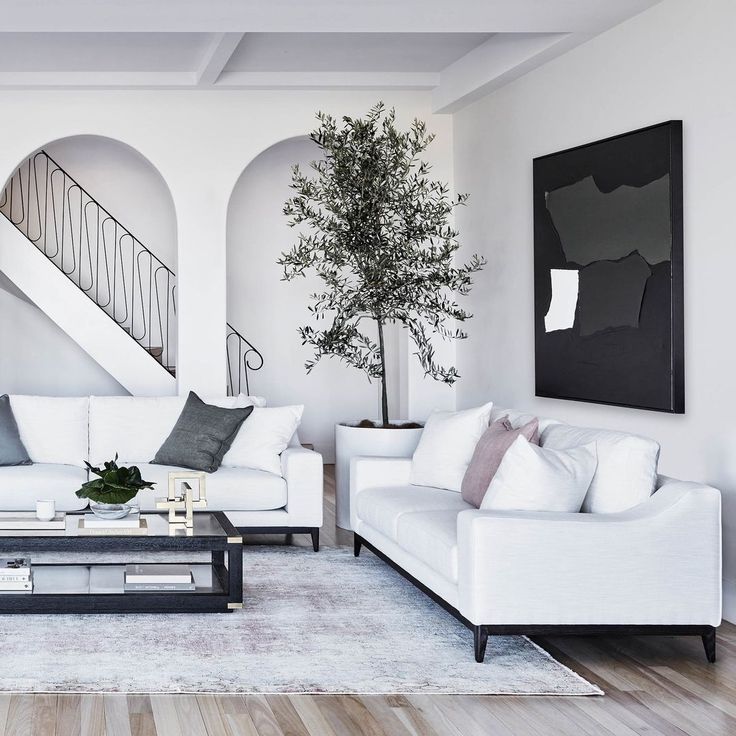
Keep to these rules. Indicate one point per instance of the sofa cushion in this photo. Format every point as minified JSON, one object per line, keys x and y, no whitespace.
{"x":431,"y":536}
{"x":21,"y":486}
{"x":627,"y":465}
{"x":263,"y":437}
{"x":489,"y":453}
{"x":446,"y":446}
{"x":201,"y":436}
{"x":520,"y":418}
{"x":53,"y":429}
{"x":532,"y":478}
{"x":383,"y":507}
{"x":12,"y":451}
{"x":229,"y":489}
{"x":135,"y":427}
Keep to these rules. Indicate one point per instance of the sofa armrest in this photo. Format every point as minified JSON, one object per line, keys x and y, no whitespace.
{"x":657,"y":563}
{"x":376,"y":472}
{"x":303,"y":469}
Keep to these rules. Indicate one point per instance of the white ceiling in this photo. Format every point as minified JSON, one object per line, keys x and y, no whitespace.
{"x":459,"y":49}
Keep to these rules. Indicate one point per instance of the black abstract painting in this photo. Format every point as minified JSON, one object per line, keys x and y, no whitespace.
{"x":608,"y":301}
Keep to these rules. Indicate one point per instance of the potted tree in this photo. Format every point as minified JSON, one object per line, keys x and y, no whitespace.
{"x":377,"y":230}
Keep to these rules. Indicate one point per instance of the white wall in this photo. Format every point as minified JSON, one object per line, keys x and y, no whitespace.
{"x":201,"y":142}
{"x":674,"y":61}
{"x":38,"y":358}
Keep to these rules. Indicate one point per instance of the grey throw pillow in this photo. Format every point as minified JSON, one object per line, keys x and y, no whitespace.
{"x":12,"y":450}
{"x":201,"y":436}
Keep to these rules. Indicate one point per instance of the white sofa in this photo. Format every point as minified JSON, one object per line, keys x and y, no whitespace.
{"x":651,"y":568}
{"x":61,"y":433}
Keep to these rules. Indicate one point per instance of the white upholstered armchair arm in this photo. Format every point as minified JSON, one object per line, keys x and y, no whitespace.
{"x":375,"y":472}
{"x":302,"y":469}
{"x":659,"y":562}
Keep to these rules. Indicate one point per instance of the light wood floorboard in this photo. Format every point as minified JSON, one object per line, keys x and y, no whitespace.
{"x":655,"y":686}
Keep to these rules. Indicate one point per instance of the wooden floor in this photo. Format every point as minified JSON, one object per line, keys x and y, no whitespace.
{"x":659,"y":686}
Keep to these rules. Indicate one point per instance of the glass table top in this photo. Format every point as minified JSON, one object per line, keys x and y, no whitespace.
{"x":206,"y":524}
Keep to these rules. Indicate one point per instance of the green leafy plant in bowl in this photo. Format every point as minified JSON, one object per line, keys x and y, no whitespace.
{"x":111,"y":493}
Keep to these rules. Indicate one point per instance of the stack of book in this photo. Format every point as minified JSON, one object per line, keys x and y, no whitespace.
{"x":157,"y":578}
{"x":27,"y":520}
{"x":16,"y":576}
{"x":94,"y":525}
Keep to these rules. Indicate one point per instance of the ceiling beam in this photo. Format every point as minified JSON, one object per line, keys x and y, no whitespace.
{"x":378,"y":16}
{"x":498,"y":61}
{"x":216,"y":58}
{"x":95,"y":80}
{"x":328,"y":80}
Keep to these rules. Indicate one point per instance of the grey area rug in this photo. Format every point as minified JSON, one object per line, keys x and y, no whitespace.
{"x":311,"y":623}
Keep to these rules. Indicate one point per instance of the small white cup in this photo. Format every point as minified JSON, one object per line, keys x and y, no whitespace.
{"x":46,"y":510}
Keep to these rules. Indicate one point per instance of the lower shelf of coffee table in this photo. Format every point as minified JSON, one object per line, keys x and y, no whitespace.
{"x":70,"y":588}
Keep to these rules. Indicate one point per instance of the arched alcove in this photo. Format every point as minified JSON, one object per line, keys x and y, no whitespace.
{"x":271,"y":310}
{"x":103,"y":214}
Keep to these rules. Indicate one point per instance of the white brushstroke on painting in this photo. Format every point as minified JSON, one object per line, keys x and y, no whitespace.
{"x":561,"y":312}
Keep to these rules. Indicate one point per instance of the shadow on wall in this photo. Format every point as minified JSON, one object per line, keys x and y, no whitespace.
{"x":271,"y":310}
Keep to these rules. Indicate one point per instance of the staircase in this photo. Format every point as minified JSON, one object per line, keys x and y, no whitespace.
{"x":105,"y":263}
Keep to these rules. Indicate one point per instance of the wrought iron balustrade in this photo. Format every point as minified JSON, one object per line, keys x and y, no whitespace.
{"x":107,"y":262}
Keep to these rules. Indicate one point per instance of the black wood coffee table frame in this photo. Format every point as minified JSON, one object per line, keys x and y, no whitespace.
{"x":224,"y":596}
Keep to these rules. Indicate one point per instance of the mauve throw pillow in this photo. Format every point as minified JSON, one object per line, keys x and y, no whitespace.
{"x":201,"y":436}
{"x":488,"y":454}
{"x":12,"y":449}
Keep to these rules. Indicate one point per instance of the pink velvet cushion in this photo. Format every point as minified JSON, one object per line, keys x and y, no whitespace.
{"x":488,"y":454}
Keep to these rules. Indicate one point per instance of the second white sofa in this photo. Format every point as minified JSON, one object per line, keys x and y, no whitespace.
{"x":628,"y":565}
{"x":61,"y":433}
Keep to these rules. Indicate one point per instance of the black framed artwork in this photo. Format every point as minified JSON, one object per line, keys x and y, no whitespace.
{"x":608,"y":271}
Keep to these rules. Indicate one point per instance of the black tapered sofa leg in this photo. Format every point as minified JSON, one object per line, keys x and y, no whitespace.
{"x":480,"y":639}
{"x":357,"y":544}
{"x":315,"y":539}
{"x":709,"y":644}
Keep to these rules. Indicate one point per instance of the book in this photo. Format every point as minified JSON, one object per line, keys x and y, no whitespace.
{"x":27,"y":520}
{"x":158,"y":587}
{"x":14,"y":578}
{"x":106,"y":578}
{"x":132,"y":521}
{"x":17,"y":585}
{"x":84,"y":530}
{"x":16,"y":566}
{"x":158,"y":574}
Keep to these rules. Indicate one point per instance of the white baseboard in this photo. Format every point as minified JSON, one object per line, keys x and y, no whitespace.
{"x":729,"y":600}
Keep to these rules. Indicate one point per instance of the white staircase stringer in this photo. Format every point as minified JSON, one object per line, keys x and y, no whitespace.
{"x":75,"y":313}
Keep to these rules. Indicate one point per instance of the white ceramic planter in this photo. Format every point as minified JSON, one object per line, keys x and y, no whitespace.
{"x":351,"y":441}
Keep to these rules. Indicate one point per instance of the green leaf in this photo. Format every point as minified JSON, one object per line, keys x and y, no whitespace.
{"x":115,"y":484}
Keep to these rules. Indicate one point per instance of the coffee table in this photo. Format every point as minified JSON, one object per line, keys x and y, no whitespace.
{"x":59,"y":587}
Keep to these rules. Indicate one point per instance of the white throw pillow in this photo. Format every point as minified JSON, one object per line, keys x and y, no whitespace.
{"x":263,"y":436}
{"x":446,"y":446}
{"x":532,"y":478}
{"x":53,"y":430}
{"x":627,"y":465}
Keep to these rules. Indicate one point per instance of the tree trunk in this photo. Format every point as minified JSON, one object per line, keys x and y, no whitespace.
{"x":384,"y":393}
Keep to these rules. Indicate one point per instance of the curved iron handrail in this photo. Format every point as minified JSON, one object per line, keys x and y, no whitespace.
{"x":108,"y":263}
{"x":240,"y":352}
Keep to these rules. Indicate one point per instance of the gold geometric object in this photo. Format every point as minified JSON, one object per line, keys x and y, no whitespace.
{"x":184,"y":499}
{"x":235,"y":540}
{"x":234,"y":606}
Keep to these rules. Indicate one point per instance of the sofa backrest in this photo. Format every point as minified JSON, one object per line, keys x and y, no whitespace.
{"x":627,"y":463}
{"x":135,"y":427}
{"x":53,"y":429}
{"x":520,"y":418}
